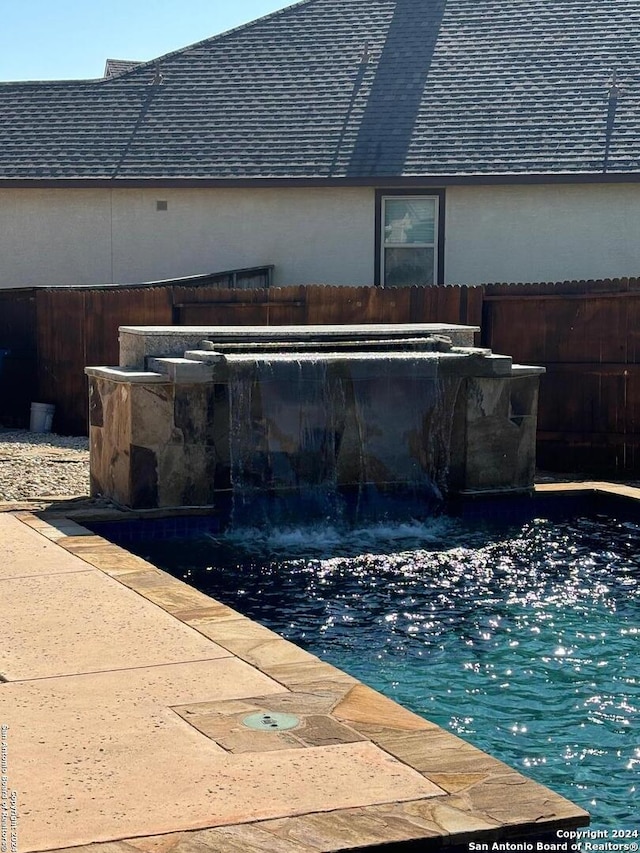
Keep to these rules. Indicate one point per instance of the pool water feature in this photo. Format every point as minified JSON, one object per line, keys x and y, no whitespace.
{"x":194,"y":415}
{"x":520,"y":637}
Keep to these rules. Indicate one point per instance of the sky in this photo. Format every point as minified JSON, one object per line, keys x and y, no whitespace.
{"x":71,"y":39}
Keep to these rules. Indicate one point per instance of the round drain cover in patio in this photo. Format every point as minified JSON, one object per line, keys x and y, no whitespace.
{"x":269,"y":721}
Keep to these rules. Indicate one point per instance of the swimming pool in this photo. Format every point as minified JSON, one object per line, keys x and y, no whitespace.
{"x":520,"y":636}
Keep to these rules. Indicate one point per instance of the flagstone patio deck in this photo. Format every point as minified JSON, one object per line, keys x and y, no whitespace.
{"x":124,"y":692}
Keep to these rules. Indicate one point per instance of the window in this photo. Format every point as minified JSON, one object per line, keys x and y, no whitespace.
{"x":409,"y":240}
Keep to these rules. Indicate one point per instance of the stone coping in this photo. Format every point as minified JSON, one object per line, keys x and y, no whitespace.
{"x":139,"y":342}
{"x":527,"y":370}
{"x":131,"y":376}
{"x":249,"y":355}
{"x":467,"y":795}
{"x":202,"y":366}
{"x":598,"y":486}
{"x":198,"y":365}
{"x":244,"y":333}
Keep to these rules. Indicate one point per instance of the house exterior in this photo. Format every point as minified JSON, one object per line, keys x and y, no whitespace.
{"x":344,"y":141}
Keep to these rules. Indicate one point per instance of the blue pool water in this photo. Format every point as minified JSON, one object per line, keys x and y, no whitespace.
{"x":522,"y":638}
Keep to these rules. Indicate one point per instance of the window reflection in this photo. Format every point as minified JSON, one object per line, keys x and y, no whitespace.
{"x":409,"y":241}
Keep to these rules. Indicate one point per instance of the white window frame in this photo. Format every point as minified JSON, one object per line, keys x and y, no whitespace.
{"x":436,"y":230}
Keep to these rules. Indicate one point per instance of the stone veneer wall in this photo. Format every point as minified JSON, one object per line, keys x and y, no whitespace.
{"x":498,"y":441}
{"x":155,"y":444}
{"x":164,"y":444}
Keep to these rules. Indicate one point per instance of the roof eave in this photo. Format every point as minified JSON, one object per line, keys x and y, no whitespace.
{"x":442,"y":180}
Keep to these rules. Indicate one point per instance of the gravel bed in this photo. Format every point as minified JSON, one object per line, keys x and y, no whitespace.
{"x":36,"y":465}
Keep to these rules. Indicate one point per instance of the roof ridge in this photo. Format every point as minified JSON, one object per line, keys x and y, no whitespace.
{"x":73,"y":81}
{"x":141,"y":65}
{"x":217,"y":37}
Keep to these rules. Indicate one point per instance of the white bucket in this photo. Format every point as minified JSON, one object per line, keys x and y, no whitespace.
{"x":41,"y":417}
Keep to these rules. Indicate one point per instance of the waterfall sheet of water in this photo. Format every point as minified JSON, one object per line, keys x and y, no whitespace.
{"x":303,"y":433}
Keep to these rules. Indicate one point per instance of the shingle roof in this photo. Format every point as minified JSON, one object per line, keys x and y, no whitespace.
{"x":114,"y":67}
{"x":352,"y":89}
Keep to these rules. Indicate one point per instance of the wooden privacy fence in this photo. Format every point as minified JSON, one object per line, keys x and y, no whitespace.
{"x":66,"y":329}
{"x":584,"y":333}
{"x":48,"y":335}
{"x":587,"y":335}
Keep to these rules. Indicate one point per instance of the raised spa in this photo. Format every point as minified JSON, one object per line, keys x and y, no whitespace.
{"x":194,"y":414}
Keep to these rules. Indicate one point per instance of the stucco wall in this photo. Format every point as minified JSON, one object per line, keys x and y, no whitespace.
{"x":510,"y":233}
{"x":542,"y":233}
{"x":101,"y":236}
{"x":54,"y":237}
